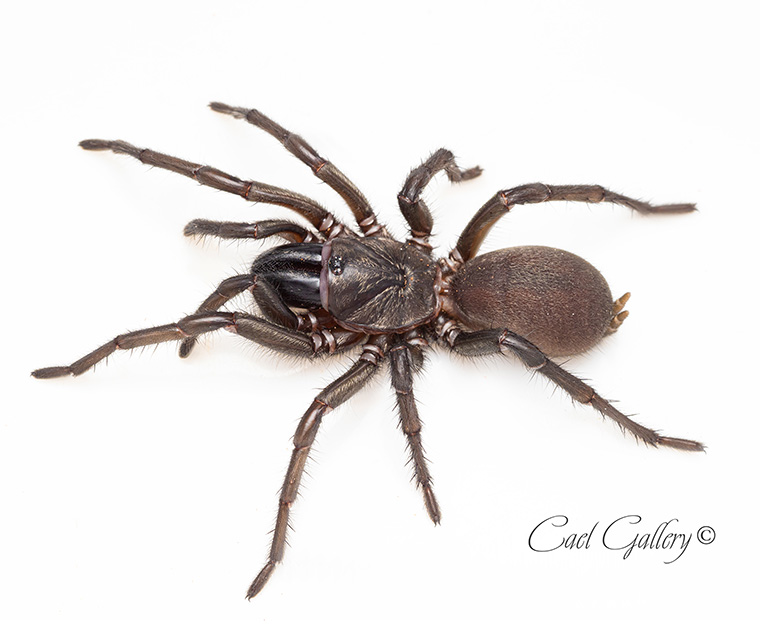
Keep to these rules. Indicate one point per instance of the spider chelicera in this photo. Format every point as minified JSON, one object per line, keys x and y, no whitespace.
{"x":329,"y":289}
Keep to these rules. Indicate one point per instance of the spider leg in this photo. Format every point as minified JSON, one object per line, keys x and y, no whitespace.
{"x":413,"y":207}
{"x":208,"y":176}
{"x":291,"y":232}
{"x":260,"y":331}
{"x":401,"y":379}
{"x":227,"y":290}
{"x":491,"y":341}
{"x":321,"y":167}
{"x":329,"y":398}
{"x":503,"y":201}
{"x":267,"y":299}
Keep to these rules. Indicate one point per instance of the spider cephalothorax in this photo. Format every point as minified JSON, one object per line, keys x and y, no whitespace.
{"x":330,"y":290}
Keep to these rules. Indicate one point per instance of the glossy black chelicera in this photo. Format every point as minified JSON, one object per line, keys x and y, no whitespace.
{"x":331,"y":289}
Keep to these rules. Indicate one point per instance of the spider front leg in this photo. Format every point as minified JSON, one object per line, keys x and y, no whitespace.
{"x":401,"y":379}
{"x":338,"y":392}
{"x":214,"y":178}
{"x":190,"y":326}
{"x":492,"y":341}
{"x":413,"y":207}
{"x":320,"y":166}
{"x":258,"y":330}
{"x":291,"y":232}
{"x":503,"y":201}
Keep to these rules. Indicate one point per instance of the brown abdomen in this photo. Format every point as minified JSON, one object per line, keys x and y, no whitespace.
{"x":555,"y":299}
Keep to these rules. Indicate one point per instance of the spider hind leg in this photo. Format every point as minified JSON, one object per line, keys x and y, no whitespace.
{"x":493,"y":341}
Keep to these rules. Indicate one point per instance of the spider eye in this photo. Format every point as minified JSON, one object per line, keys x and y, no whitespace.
{"x":336,"y":265}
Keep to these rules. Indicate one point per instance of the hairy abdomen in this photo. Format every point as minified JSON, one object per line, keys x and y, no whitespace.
{"x":555,"y":299}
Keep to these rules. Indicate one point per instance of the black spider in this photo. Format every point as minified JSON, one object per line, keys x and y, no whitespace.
{"x":329,"y":290}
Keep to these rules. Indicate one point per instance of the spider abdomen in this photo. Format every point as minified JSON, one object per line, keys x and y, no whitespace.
{"x":557,"y":300}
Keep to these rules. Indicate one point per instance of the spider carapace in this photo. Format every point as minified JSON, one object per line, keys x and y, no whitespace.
{"x":330,"y":289}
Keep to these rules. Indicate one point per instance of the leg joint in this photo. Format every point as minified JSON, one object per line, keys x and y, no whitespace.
{"x":531,"y":356}
{"x":372,"y":353}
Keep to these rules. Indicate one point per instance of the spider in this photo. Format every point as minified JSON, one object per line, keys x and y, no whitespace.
{"x":330,"y":289}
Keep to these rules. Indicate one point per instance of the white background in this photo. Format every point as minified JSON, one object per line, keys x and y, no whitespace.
{"x":139,"y":497}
